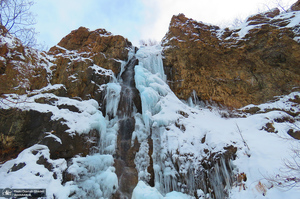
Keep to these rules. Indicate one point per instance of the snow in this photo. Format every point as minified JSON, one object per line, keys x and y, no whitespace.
{"x":9,"y":40}
{"x":57,"y":139}
{"x":34,"y":175}
{"x":143,"y":191}
{"x":88,"y":115}
{"x":101,"y":71}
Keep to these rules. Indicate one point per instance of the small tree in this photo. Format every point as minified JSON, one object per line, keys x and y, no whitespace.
{"x":16,"y":17}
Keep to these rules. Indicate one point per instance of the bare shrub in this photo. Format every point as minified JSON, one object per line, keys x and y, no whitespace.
{"x":290,"y":173}
{"x":149,"y":42}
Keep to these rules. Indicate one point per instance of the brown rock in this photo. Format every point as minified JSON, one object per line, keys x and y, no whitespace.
{"x":273,"y":13}
{"x":73,"y":69}
{"x":296,"y":6}
{"x":76,"y":39}
{"x":94,"y":42}
{"x":294,"y":134}
{"x":227,"y":70}
{"x":22,"y":68}
{"x":23,"y":129}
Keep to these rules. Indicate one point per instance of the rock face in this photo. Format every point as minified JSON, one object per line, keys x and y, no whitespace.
{"x":296,"y":6}
{"x":21,"y":68}
{"x":78,"y":52}
{"x":234,"y":67}
{"x":22,"y":129}
{"x":81,"y":64}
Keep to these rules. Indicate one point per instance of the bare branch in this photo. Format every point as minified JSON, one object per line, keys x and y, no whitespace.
{"x":16,"y":17}
{"x":290,"y":174}
{"x":240,"y":132}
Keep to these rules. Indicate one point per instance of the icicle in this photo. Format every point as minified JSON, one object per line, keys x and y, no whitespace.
{"x":221,"y":178}
{"x":193,"y":101}
{"x":112,"y":98}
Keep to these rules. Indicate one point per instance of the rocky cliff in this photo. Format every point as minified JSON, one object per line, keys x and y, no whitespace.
{"x":78,"y":68}
{"x":244,"y":65}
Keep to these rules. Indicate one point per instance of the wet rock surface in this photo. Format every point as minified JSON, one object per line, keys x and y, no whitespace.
{"x":23,"y":129}
{"x":129,"y":104}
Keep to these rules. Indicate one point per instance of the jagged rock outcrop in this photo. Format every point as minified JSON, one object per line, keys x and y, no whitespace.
{"x":78,"y":53}
{"x":234,"y":67}
{"x":21,"y":68}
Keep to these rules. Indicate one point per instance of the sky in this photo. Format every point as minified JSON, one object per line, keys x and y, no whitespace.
{"x":137,"y":19}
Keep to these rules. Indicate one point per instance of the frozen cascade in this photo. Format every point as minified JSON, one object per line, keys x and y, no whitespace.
{"x":135,"y":144}
{"x":170,"y":171}
{"x":151,"y":83}
{"x":95,"y":176}
{"x":150,"y":80}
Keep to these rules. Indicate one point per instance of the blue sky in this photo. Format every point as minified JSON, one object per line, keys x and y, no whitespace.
{"x":136,"y":19}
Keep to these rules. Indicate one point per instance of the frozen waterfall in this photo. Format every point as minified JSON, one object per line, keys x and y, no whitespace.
{"x":139,"y":139}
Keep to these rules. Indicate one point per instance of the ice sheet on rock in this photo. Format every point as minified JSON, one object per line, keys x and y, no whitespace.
{"x":108,"y":136}
{"x":140,"y":132}
{"x":142,"y":161}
